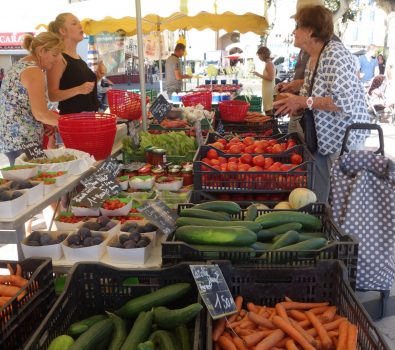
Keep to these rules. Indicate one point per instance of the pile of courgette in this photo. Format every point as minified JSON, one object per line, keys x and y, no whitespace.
{"x":212,"y":224}
{"x":153,"y":325}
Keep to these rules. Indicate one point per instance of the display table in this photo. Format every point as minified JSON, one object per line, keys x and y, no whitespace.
{"x":12,"y":231}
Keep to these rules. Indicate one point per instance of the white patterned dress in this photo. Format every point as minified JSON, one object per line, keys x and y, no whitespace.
{"x":17,"y":123}
{"x":336,"y":77}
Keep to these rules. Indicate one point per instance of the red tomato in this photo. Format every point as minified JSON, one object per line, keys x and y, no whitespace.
{"x":296,"y":159}
{"x":232,"y":166}
{"x":259,"y":161}
{"x":222,"y":160}
{"x":235,"y":139}
{"x":235,"y":149}
{"x":218,"y":145}
{"x":268,"y":162}
{"x":246,"y":158}
{"x":224,"y":167}
{"x":215,"y":162}
{"x":249,"y":149}
{"x":272,"y":142}
{"x":223,"y":141}
{"x":277,"y":148}
{"x":259,"y":150}
{"x":244,"y":167}
{"x":286,"y":167}
{"x":233,"y":160}
{"x":248,"y":141}
{"x":269,"y":149}
{"x":212,"y":154}
{"x":255,"y":168}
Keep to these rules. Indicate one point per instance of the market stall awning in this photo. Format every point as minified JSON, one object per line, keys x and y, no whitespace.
{"x":228,"y":21}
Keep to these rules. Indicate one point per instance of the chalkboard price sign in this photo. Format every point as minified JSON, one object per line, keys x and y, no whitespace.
{"x":160,"y":108}
{"x":34,"y":151}
{"x":91,"y":197}
{"x":110,"y":165}
{"x":160,"y":214}
{"x":214,"y":290}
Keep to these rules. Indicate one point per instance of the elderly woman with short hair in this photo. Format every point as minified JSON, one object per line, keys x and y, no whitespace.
{"x":337,"y":99}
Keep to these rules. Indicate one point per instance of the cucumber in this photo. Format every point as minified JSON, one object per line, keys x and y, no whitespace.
{"x":307,"y":236}
{"x":170,"y":319}
{"x":63,"y":342}
{"x":269,"y":233}
{"x":182,"y":334}
{"x":140,"y":331}
{"x":82,"y":326}
{"x":232,"y":236}
{"x":276,"y":218}
{"x":160,"y":297}
{"x":162,"y":340}
{"x":205,"y":214}
{"x":251,"y":225}
{"x":119,"y":334}
{"x":148,"y":345}
{"x":311,"y":244}
{"x":94,"y":336}
{"x":286,"y":239}
{"x":259,"y":246}
{"x":227,"y":207}
{"x":251,"y":213}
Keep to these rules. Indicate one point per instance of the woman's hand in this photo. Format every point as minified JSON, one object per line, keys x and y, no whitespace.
{"x":101,"y":70}
{"x":257,"y":74}
{"x":86,"y":88}
{"x":289,"y":105}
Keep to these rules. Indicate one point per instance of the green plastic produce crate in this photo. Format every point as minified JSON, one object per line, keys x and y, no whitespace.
{"x":94,"y":288}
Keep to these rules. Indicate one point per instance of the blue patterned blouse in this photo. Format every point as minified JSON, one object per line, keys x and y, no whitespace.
{"x":17,"y":123}
{"x":336,"y":77}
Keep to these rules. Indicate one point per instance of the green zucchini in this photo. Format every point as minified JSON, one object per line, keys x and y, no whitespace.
{"x":163,"y":340}
{"x":259,"y":246}
{"x":204,"y":214}
{"x":94,"y":336}
{"x":227,"y":207}
{"x":286,"y":239}
{"x":140,"y":331}
{"x":251,"y":213}
{"x":119,"y":334}
{"x":170,"y":319}
{"x":232,"y":236}
{"x":182,"y":334}
{"x":160,"y":297}
{"x":276,"y":218}
{"x":269,"y":233}
{"x":82,"y":326}
{"x":251,"y":225}
{"x":148,"y":345}
{"x":63,"y":342}
{"x":311,"y":244}
{"x":303,"y":236}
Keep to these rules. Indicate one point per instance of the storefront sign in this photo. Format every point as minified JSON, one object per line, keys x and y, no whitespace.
{"x":160,"y":214}
{"x":214,"y":290}
{"x":11,"y":40}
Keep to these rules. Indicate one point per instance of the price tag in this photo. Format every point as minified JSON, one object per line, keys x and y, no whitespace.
{"x":220,"y":128}
{"x":214,"y":290}
{"x":91,"y":197}
{"x":103,"y":180}
{"x":160,"y":214}
{"x":160,"y":108}
{"x":34,"y":151}
{"x":111,"y":166}
{"x":198,"y":130}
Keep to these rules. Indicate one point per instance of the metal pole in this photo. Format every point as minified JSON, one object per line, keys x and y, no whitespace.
{"x":141,"y":62}
{"x":160,"y":60}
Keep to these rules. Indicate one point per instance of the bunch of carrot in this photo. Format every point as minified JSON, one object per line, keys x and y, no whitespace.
{"x":169,"y":124}
{"x":256,"y":117}
{"x":289,"y":325}
{"x":11,"y":284}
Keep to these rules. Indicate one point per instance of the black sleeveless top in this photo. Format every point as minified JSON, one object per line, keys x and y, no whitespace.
{"x":76,"y":73}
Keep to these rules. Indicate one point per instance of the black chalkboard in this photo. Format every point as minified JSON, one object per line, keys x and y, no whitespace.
{"x":214,"y":290}
{"x":160,"y":214}
{"x":91,"y":197}
{"x":34,"y":151}
{"x":160,"y":108}
{"x":111,"y":165}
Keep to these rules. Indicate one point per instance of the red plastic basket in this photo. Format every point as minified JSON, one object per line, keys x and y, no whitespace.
{"x":93,"y":133}
{"x":233,"y":111}
{"x":203,"y":97}
{"x":125,"y":104}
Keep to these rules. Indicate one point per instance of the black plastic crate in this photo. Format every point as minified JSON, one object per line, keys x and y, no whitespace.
{"x":213,"y":137}
{"x":344,"y":247}
{"x":93,"y":288}
{"x":20,"y":318}
{"x":267,"y":128}
{"x":327,"y":281}
{"x":207,"y":178}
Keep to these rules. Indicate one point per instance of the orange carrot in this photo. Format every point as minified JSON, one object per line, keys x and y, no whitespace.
{"x":292,"y":332}
{"x":4,"y":300}
{"x":255,"y":338}
{"x":11,"y":269}
{"x":329,"y":314}
{"x":13,"y":280}
{"x":322,"y":333}
{"x":302,"y":306}
{"x":290,"y":345}
{"x":263,"y":311}
{"x":282,"y":342}
{"x":239,"y":344}
{"x":271,"y":340}
{"x":343,"y":331}
{"x":333,"y":334}
{"x":252,"y":307}
{"x":328,"y":326}
{"x":18,"y":270}
{"x":260,"y":320}
{"x":352,"y":338}
{"x":306,"y":335}
{"x":219,"y":328}
{"x":243,"y":312}
{"x":319,"y":310}
{"x":304,"y":323}
{"x":226,"y":343}
{"x":245,"y":332}
{"x":227,"y":335}
{"x":280,"y":309}
{"x":288,"y":299}
{"x":8,"y":291}
{"x":297,"y":315}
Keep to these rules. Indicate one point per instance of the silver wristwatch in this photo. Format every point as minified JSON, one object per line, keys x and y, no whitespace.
{"x":309,"y":103}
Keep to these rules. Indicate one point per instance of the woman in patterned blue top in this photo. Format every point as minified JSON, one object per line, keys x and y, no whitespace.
{"x":337,"y":98}
{"x":23,"y":100}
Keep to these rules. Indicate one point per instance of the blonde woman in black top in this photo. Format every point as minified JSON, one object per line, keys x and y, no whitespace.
{"x":71,"y":81}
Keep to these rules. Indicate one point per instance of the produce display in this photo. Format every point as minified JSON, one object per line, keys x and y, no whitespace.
{"x":37,"y":238}
{"x":11,"y":284}
{"x":6,"y":195}
{"x":21,"y":184}
{"x":69,"y":218}
{"x":153,"y":326}
{"x":102,"y":223}
{"x":256,"y":117}
{"x":61,"y":159}
{"x":84,"y":237}
{"x":290,"y":324}
{"x":131,"y":241}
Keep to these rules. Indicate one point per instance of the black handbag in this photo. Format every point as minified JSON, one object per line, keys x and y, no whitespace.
{"x":307,"y":121}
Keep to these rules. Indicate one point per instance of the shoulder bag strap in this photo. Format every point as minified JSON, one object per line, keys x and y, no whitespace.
{"x":315,"y":69}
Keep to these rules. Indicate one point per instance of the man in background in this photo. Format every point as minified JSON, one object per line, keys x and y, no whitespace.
{"x":369,"y":65}
{"x":173,"y":72}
